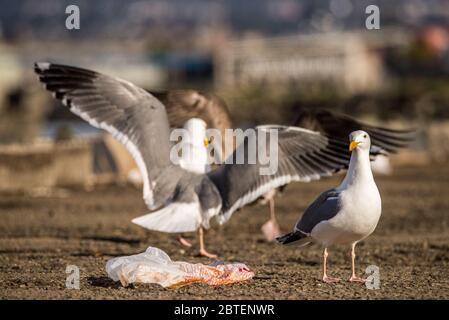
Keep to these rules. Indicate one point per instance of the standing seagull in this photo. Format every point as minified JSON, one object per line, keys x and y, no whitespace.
{"x":186,"y":201}
{"x":346,"y":214}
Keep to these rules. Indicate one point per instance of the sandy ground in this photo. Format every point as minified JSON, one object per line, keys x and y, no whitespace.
{"x":41,"y":234}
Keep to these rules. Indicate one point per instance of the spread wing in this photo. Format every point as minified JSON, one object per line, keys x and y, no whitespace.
{"x":303,"y":155}
{"x":133,"y":116}
{"x":339,"y":126}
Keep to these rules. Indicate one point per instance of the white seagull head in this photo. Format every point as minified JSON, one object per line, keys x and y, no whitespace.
{"x":359,"y":140}
{"x":196,"y":132}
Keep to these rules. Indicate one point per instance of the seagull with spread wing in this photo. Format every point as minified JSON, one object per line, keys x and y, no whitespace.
{"x":184,"y":201}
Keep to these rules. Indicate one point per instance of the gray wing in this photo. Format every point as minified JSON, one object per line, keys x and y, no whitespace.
{"x":129,"y":113}
{"x":326,"y":206}
{"x":303,"y":155}
{"x":339,"y":126}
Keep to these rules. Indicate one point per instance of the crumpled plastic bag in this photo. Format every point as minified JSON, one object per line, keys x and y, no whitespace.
{"x":155,"y":266}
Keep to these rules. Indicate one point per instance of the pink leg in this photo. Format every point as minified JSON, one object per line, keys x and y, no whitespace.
{"x":203,"y":251}
{"x":184,"y":241}
{"x":271,"y":228}
{"x":354,"y":278}
{"x":326,"y":278}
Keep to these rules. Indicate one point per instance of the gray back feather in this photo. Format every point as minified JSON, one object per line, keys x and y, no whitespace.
{"x":326,"y":206}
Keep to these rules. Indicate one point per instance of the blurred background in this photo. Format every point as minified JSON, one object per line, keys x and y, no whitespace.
{"x":68,"y":191}
{"x":267,"y":59}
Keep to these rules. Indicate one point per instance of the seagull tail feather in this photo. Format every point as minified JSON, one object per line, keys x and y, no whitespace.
{"x":174,"y":218}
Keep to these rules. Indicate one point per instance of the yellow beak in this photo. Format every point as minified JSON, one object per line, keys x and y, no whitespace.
{"x":353,"y":145}
{"x":206,"y":142}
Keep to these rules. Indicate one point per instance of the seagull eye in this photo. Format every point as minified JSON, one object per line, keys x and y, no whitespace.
{"x":365,"y":136}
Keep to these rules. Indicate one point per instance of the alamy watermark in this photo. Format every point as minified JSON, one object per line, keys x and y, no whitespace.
{"x":372,"y":22}
{"x":72,"y":280}
{"x":253,"y":146}
{"x":373,"y":280}
{"x":72,"y":21}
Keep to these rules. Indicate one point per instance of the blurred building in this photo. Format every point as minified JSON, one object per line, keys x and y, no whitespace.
{"x":347,"y":61}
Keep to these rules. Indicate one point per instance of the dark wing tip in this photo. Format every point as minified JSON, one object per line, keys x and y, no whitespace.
{"x":337,"y":125}
{"x":290,"y":237}
{"x":53,"y":69}
{"x":41,"y":67}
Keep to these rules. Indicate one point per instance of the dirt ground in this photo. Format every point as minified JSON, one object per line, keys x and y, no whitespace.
{"x":40,"y":234}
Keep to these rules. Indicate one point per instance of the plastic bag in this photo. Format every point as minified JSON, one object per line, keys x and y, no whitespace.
{"x":155,"y":266}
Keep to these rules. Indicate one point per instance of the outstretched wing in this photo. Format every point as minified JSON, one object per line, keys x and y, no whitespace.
{"x":303,"y":155}
{"x":339,"y":126}
{"x":129,"y":113}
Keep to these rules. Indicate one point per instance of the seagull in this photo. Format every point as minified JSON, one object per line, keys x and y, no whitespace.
{"x":183,"y":105}
{"x":181,"y":200}
{"x":195,"y":143}
{"x":346,"y":214}
{"x":195,"y":157}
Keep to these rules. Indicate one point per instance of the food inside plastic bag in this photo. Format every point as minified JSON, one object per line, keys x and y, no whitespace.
{"x":155,"y":266}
